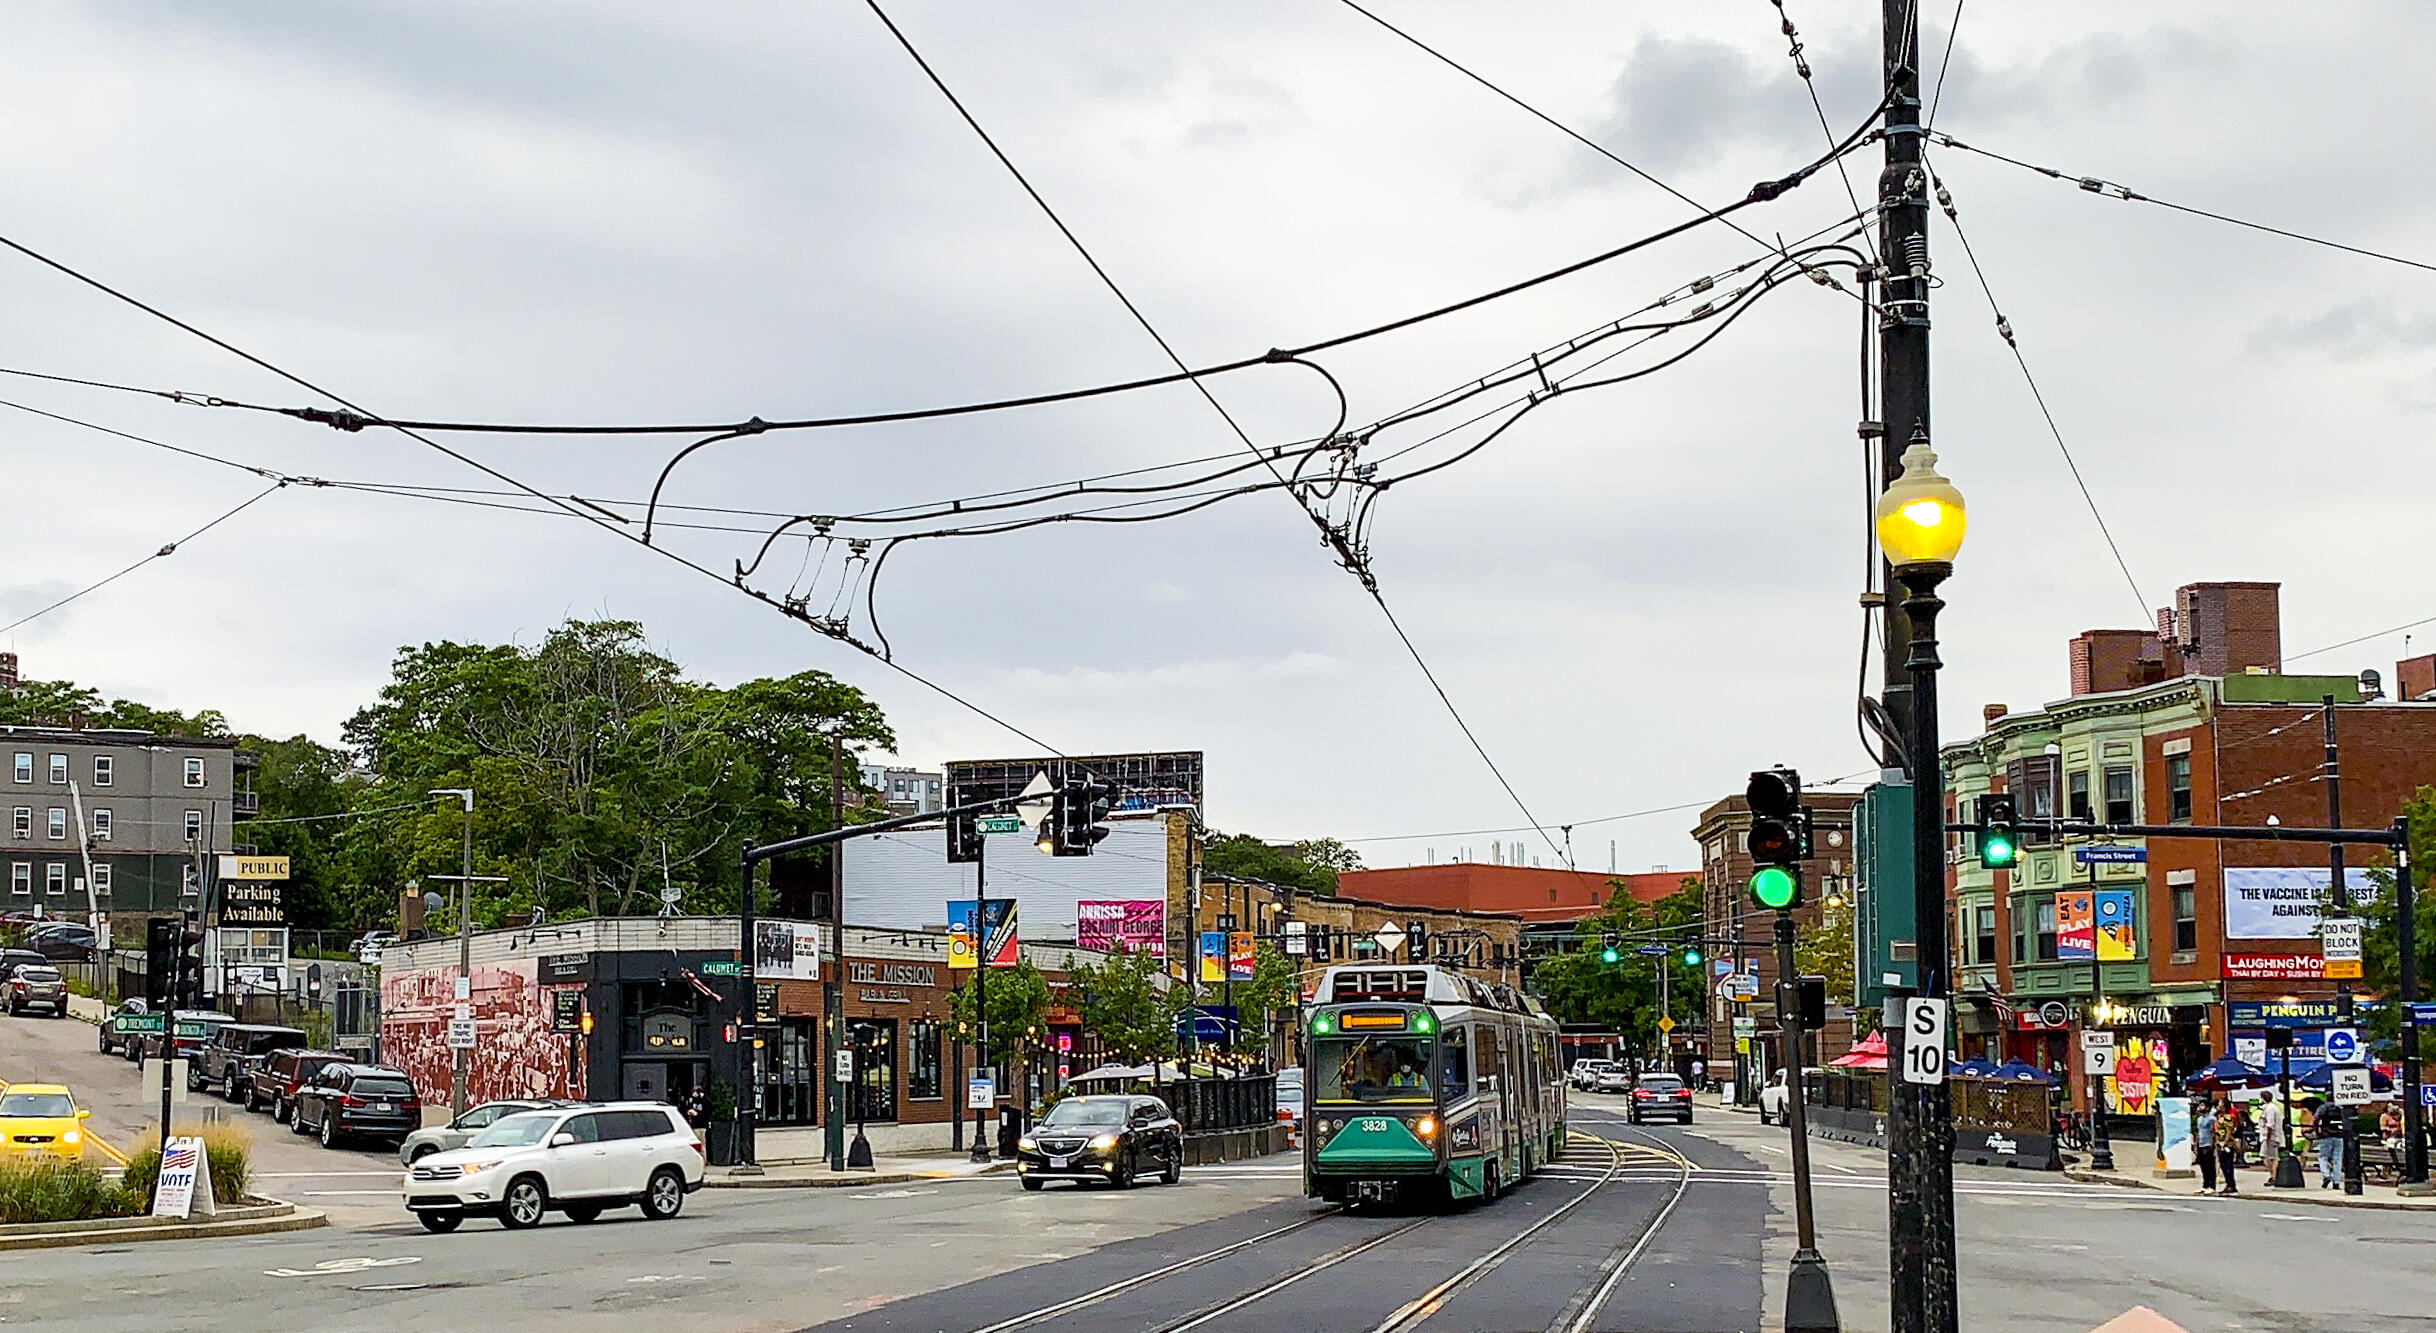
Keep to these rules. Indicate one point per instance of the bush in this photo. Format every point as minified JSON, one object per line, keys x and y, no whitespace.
{"x":227,"y":1150}
{"x":47,"y":1191}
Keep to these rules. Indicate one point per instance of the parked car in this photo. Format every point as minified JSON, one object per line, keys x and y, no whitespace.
{"x":439,"y":1138}
{"x":68,"y":944}
{"x":1290,"y":1102}
{"x":194,"y":1029}
{"x":12,"y":959}
{"x":1660,"y":1094}
{"x":31,"y":987}
{"x":111,"y":1039}
{"x":41,"y":1120}
{"x":367,"y":946}
{"x":346,"y":1101}
{"x":231,"y":1044}
{"x":1610,"y":1077}
{"x":1585,"y":1073}
{"x":273,"y":1084}
{"x":1772,"y":1097}
{"x":1110,"y":1138}
{"x":578,"y":1161}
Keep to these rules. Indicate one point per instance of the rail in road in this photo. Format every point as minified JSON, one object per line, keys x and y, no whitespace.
{"x":1409,"y":1300}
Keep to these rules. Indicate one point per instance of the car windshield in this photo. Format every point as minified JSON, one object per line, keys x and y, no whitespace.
{"x":1372,"y":1069}
{"x":37,"y":1104}
{"x":1662,"y":1083}
{"x":381,"y":1087}
{"x":516,"y":1131}
{"x":1085,"y":1113}
{"x":39,"y":973}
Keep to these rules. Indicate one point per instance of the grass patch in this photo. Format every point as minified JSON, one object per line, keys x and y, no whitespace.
{"x":227,"y":1149}
{"x":37,"y":1190}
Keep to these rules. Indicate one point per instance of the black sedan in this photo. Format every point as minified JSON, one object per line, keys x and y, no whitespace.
{"x":1660,"y":1094}
{"x":1113,"y":1139}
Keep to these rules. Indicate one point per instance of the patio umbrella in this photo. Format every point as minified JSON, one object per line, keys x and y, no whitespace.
{"x":2321,"y":1079}
{"x":2229,"y":1073}
{"x":2022,"y":1072}
{"x":1975,"y":1068}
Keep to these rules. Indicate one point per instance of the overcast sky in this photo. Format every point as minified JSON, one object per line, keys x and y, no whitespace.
{"x":612,"y":212}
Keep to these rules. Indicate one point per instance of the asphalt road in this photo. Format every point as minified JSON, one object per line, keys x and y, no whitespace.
{"x":353,"y":1185}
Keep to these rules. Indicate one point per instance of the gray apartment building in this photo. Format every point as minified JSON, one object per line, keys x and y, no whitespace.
{"x":134,"y":805}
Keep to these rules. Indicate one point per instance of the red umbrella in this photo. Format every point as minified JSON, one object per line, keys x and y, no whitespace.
{"x":1867,"y":1053}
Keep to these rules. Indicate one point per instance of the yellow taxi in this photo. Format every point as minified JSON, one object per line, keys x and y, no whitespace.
{"x":41,"y":1120}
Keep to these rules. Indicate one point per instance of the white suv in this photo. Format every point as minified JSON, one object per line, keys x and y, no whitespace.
{"x":578,"y":1160}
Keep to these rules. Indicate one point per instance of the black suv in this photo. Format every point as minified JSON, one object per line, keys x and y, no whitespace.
{"x":224,"y":1056}
{"x":348,"y":1101}
{"x":1111,"y":1138}
{"x":282,"y":1074}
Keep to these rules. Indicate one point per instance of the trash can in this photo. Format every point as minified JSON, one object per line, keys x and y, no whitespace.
{"x":1011,"y":1126}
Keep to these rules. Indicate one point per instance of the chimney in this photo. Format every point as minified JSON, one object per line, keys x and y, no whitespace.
{"x":1990,"y":714}
{"x":2229,"y":628}
{"x":8,"y":672}
{"x":2415,"y":679}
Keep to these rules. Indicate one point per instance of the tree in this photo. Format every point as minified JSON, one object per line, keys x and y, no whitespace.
{"x":1121,"y":1002}
{"x":1275,"y":988}
{"x":2380,"y":945}
{"x":1823,"y":948}
{"x":1018,"y":998}
{"x":1579,"y":987}
{"x":1309,"y":867}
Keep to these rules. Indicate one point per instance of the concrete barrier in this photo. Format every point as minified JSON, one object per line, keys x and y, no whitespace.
{"x":1234,"y":1145}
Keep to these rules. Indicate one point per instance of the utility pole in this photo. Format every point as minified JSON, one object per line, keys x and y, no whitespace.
{"x":2414,"y":1116}
{"x":93,"y":915}
{"x":981,"y":997}
{"x":1919,"y":1125}
{"x":465,"y":944}
{"x":2352,"y":1182}
{"x":748,"y":1030}
{"x":833,"y":979}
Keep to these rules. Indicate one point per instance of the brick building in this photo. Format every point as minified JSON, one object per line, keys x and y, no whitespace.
{"x":2214,"y":929}
{"x":1536,"y":894}
{"x":1729,"y":913}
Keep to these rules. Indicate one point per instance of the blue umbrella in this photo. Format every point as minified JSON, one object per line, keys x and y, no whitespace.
{"x":2022,"y":1071}
{"x":2230,"y":1073}
{"x":2321,"y":1079}
{"x":1975,"y":1067}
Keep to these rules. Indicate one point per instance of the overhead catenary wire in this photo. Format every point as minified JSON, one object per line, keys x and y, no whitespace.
{"x":163,"y":553}
{"x":1937,"y":97}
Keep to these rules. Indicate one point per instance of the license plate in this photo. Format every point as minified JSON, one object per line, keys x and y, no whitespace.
{"x":382,"y":1106}
{"x":1060,"y":1162}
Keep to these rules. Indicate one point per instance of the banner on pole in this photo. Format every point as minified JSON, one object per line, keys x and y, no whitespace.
{"x":1240,"y":960}
{"x":962,"y":952}
{"x":2118,"y":941}
{"x":2076,"y":926}
{"x":1213,"y":955}
{"x":1140,"y":926}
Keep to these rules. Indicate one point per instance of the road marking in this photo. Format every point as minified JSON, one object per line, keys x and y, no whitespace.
{"x":334,"y":1194}
{"x":891,"y":1194}
{"x":666,"y":1277}
{"x":2287,"y":1217}
{"x":323,"y":1175}
{"x":356,"y":1264}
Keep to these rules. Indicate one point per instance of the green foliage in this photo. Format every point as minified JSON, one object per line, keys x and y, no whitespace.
{"x":719,"y":1102}
{"x":59,"y":703}
{"x":1623,"y":996}
{"x":1824,"y":948}
{"x":227,"y":1153}
{"x":2380,"y":946}
{"x":1275,"y":987}
{"x":1310,"y":867}
{"x":1018,"y":997}
{"x":41,"y":1190}
{"x":1121,"y":1002}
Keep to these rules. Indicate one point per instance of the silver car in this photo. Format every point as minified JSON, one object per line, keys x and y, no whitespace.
{"x":441,"y":1138}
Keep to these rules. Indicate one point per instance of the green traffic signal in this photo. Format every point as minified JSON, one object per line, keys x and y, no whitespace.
{"x":1608,"y":954}
{"x":1774,"y":887}
{"x":1997,"y":851}
{"x":1691,"y":958}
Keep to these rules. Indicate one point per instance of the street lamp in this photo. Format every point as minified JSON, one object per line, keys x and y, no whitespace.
{"x":1920,"y":521}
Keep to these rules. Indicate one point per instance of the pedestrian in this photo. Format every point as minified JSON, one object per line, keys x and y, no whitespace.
{"x":2228,"y":1144}
{"x":2203,"y":1142}
{"x":2389,"y":1123}
{"x":2271,"y":1141}
{"x":1700,"y":1074}
{"x":2326,"y":1126}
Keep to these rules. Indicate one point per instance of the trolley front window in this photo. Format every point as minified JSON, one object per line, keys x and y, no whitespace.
{"x":1372,"y":1069}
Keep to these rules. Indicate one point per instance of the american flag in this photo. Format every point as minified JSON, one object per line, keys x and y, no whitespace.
{"x":180,"y":1157}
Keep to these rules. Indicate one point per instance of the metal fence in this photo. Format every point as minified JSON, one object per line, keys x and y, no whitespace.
{"x":1208,"y":1105}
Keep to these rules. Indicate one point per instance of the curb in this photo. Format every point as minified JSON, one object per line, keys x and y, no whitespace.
{"x":848,"y":1180}
{"x":115,"y":1231}
{"x":2265,"y":1192}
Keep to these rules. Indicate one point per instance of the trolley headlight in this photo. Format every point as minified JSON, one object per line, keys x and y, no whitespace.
{"x":1425,"y":1126}
{"x":1103,"y":1142}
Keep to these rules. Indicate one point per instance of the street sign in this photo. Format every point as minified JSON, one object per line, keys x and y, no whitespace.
{"x":1000,"y":823}
{"x":2098,"y":1061}
{"x":980,"y":1093}
{"x":721,"y":967}
{"x":184,"y":1180}
{"x":2351,"y":1087}
{"x":1653,"y":951}
{"x":1034,"y":807}
{"x":1924,"y":1041}
{"x":2053,"y":1014}
{"x":2099,"y":1040}
{"x":2427,"y":1094}
{"x":2423,"y":1014}
{"x":844,"y":1063}
{"x":1296,"y":945}
{"x":1745,"y":1026}
{"x":2109,"y":856}
{"x":1722,"y":966}
{"x":141,"y":1025}
{"x":464,"y":987}
{"x":2339,"y":944}
{"x":1740,"y":988}
{"x":460,"y":1034}
{"x":1389,"y":936}
{"x":1665,"y":1024}
{"x":2343,"y":1046}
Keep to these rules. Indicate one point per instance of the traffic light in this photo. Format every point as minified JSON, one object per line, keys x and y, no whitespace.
{"x":190,"y":965}
{"x":1416,"y":941}
{"x":1999,"y":834}
{"x":1777,"y":839}
{"x":160,"y":961}
{"x":1075,"y":812}
{"x":963,"y":839}
{"x":1810,"y":1001}
{"x":1607,"y":948}
{"x":1691,"y":956}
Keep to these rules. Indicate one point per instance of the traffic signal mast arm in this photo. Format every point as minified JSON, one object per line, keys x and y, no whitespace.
{"x":766,"y":851}
{"x":2074,"y":828}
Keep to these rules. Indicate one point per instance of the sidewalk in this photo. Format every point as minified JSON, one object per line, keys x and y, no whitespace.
{"x":2134,"y":1169}
{"x":885,"y":1171}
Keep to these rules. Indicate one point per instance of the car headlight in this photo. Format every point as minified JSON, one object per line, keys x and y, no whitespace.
{"x":1103,"y":1142}
{"x":1025,"y":1143}
{"x":477,"y":1168}
{"x":72,"y":1136}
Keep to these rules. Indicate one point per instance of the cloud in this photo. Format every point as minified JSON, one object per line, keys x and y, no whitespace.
{"x":2348,"y":332}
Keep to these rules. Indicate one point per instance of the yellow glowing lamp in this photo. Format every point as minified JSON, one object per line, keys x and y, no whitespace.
{"x":1920,"y":516}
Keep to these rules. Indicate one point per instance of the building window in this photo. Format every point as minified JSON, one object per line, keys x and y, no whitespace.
{"x":873,"y":1094}
{"x":2021,"y":939}
{"x":2046,"y":930}
{"x":55,"y":879}
{"x":2186,"y":918}
{"x":25,"y":768}
{"x":2119,"y":796}
{"x":190,"y":884}
{"x":25,"y":822}
{"x":101,"y":826}
{"x":57,"y":824}
{"x":101,"y":879}
{"x":2076,"y":795}
{"x":59,"y":769}
{"x":194,"y":771}
{"x":194,"y":826}
{"x":21,"y":878}
{"x":2178,"y":789}
{"x":101,"y":770}
{"x":792,"y":1077}
{"x":1983,"y":933}
{"x":922,"y":1060}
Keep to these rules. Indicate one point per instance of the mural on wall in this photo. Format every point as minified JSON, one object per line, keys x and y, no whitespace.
{"x":516,"y":1053}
